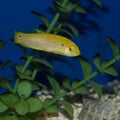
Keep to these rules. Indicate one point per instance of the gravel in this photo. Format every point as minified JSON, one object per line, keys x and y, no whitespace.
{"x":87,"y":107}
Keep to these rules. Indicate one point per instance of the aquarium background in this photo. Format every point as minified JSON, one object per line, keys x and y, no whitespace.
{"x":15,"y":15}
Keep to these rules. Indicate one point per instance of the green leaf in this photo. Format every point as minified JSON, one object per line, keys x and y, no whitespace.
{"x":6,"y":85}
{"x":97,"y":62}
{"x":59,"y":1}
{"x":75,"y":83}
{"x":42,"y":61}
{"x":42,"y":17}
{"x":68,"y":107}
{"x":3,"y":107}
{"x":26,"y":117}
{"x":24,"y":89}
{"x":55,"y":85}
{"x":22,"y":107}
{"x":60,"y":8}
{"x":39,"y":31}
{"x":72,"y":28}
{"x":111,"y":71}
{"x":9,"y":99}
{"x":5,"y":79}
{"x":19,"y":68}
{"x":2,"y":44}
{"x":81,"y":90}
{"x":46,"y":102}
{"x":67,"y":84}
{"x":27,"y":75}
{"x":96,"y":88}
{"x":9,"y":116}
{"x":114,"y":45}
{"x":98,"y":2}
{"x":7,"y":63}
{"x":50,"y":71}
{"x":105,"y":62}
{"x":35,"y":87}
{"x":86,"y":66}
{"x":70,"y":6}
{"x":35,"y":104}
{"x":23,"y":76}
{"x":38,"y":85}
{"x":41,"y":68}
{"x":80,"y":10}
{"x":52,"y":109}
{"x":62,"y":31}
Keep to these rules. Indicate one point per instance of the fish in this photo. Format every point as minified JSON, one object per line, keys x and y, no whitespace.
{"x":47,"y":42}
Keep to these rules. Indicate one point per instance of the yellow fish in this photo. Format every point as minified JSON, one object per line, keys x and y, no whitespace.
{"x":47,"y":42}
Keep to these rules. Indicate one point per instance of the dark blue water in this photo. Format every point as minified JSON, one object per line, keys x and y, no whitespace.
{"x":15,"y":16}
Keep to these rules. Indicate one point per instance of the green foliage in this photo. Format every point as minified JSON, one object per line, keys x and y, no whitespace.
{"x":52,"y":109}
{"x":9,"y":99}
{"x":5,"y":83}
{"x":2,"y":44}
{"x":69,"y":7}
{"x":67,"y":84}
{"x":19,"y":69}
{"x":43,"y":62}
{"x":5,"y":64}
{"x":81,"y":90}
{"x":96,"y":88}
{"x":71,"y":27}
{"x":42,"y":17}
{"x":27,"y":75}
{"x":98,"y":2}
{"x":24,"y":89}
{"x":80,"y":10}
{"x":3,"y":107}
{"x":63,"y":8}
{"x":61,"y":30}
{"x":68,"y":107}
{"x":114,"y":45}
{"x":22,"y":107}
{"x":111,"y":70}
{"x":97,"y":62}
{"x":19,"y":102}
{"x":35,"y":104}
{"x":55,"y":86}
{"x":86,"y":67}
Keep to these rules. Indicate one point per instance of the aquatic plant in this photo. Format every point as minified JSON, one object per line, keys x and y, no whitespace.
{"x":19,"y":102}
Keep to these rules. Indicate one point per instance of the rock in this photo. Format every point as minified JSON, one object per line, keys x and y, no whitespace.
{"x":94,"y":109}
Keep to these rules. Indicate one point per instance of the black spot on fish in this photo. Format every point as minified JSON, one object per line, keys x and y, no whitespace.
{"x":62,"y":45}
{"x":19,"y":36}
{"x":70,"y":49}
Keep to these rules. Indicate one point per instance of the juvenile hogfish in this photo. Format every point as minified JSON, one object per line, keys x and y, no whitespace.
{"x":47,"y":42}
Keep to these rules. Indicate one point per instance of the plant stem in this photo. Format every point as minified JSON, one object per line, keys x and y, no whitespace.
{"x":56,"y":99}
{"x":53,"y":23}
{"x":56,"y":18}
{"x":111,"y":62}
{"x":29,"y":59}
{"x":34,"y":73}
